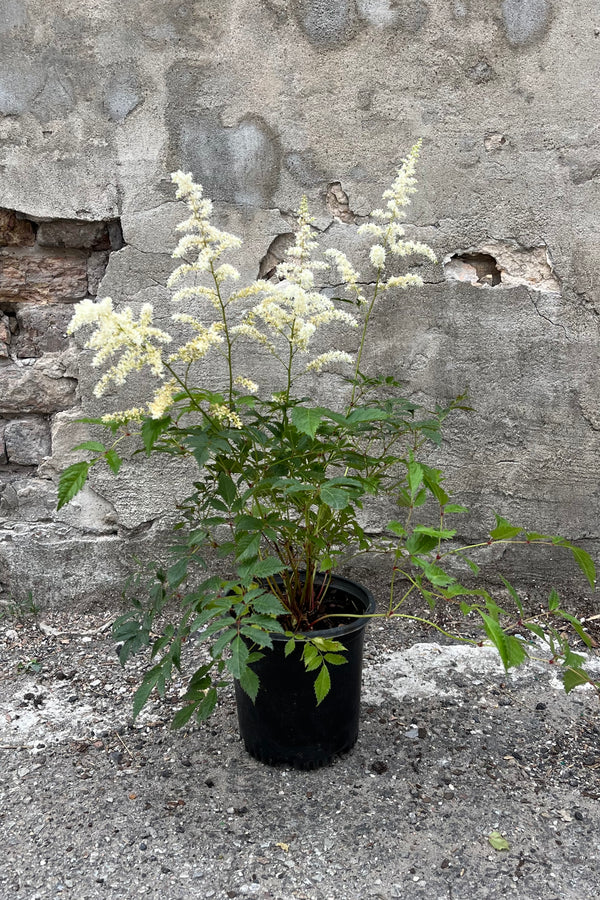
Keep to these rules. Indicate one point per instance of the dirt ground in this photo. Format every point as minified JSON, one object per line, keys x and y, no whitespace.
{"x":453,"y":754}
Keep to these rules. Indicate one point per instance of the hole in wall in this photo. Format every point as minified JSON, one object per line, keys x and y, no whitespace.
{"x":474,"y":268}
{"x":274,"y":255}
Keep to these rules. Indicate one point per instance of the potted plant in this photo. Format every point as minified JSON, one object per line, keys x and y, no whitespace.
{"x":280,"y":484}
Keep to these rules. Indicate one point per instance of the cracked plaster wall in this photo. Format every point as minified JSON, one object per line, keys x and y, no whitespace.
{"x":265,"y":100}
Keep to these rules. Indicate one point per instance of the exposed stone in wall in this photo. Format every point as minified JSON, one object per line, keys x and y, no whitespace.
{"x":338,"y":203}
{"x":497,"y":263}
{"x":44,"y":268}
{"x":27,"y":441}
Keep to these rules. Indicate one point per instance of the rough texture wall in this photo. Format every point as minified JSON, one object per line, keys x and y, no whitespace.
{"x":264,"y":100}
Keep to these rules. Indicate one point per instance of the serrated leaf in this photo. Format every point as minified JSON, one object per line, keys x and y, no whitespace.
{"x":208,"y":704}
{"x":512,"y":653}
{"x":322,"y":684}
{"x":247,"y":547}
{"x":152,"y":430}
{"x":578,"y":627}
{"x":334,"y":496}
{"x":239,"y":657}
{"x":249,"y":683}
{"x":585,"y":563}
{"x":572,"y":678}
{"x":289,"y":647}
{"x":443,"y":534}
{"x":227,"y":489}
{"x":335,"y":659}
{"x":313,"y":664}
{"x":536,"y":629}
{"x":177,"y":572}
{"x":264,"y":568}
{"x":513,"y":594}
{"x":497,"y":841}
{"x":455,"y":508}
{"x":182,"y":717}
{"x":366,"y":414}
{"x":71,"y":481}
{"x":504,"y":530}
{"x":92,"y":446}
{"x":307,"y":420}
{"x":142,"y":694}
{"x":414,"y":477}
{"x":553,"y":600}
{"x":397,"y":528}
{"x":269,"y":605}
{"x":114,"y":460}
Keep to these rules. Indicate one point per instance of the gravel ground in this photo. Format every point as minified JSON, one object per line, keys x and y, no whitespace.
{"x":451,"y":750}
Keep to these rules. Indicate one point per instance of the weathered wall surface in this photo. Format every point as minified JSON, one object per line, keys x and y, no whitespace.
{"x":264,"y":100}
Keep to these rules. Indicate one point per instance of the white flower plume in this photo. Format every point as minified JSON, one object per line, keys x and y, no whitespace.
{"x":119,"y":332}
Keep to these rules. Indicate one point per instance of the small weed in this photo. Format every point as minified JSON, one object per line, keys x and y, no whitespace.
{"x":32,"y":666}
{"x":19,"y":609}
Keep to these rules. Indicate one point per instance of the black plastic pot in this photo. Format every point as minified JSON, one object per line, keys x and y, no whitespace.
{"x":284,"y":724}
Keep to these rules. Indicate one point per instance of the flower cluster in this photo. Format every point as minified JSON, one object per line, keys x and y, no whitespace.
{"x":282,"y":318}
{"x":118,"y":331}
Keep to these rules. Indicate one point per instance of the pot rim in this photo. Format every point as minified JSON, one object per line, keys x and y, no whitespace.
{"x":355,"y":590}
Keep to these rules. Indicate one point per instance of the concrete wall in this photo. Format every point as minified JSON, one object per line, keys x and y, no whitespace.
{"x":264,"y":100}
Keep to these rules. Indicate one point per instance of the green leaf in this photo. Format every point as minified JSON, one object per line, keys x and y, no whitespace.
{"x":578,"y":627}
{"x":397,"y":528}
{"x":585,"y":563}
{"x":334,"y":496}
{"x":497,"y":841}
{"x":114,"y":460}
{"x":307,"y":420}
{"x":512,"y":653}
{"x":258,"y":636}
{"x":142,"y":694}
{"x":269,"y":605}
{"x":335,"y":659}
{"x":183,"y":716}
{"x":443,"y":534}
{"x":249,"y":683}
{"x":223,"y":639}
{"x":152,"y":430}
{"x":239,"y":657}
{"x":504,"y":530}
{"x":455,"y":508}
{"x":71,"y":480}
{"x":322,"y":684}
{"x":366,"y":414}
{"x":177,"y":572}
{"x":572,"y":678}
{"x":414,"y":477}
{"x":536,"y":629}
{"x":207,"y":705}
{"x":289,"y":647}
{"x":92,"y":446}
{"x":553,"y":600}
{"x":513,"y":594}
{"x":227,"y":489}
{"x":247,"y":547}
{"x":264,"y":568}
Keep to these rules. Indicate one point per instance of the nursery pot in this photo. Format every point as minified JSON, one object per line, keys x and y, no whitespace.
{"x":284,"y":724}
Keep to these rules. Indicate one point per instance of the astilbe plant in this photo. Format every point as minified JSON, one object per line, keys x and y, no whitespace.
{"x":281,"y":482}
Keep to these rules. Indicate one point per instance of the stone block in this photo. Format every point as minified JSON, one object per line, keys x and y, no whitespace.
{"x":30,"y":389}
{"x":15,"y":232}
{"x":5,"y":335}
{"x":42,"y":279}
{"x":97,"y":263}
{"x":27,"y":441}
{"x":3,"y":459}
{"x":40,"y":329}
{"x":73,"y":235}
